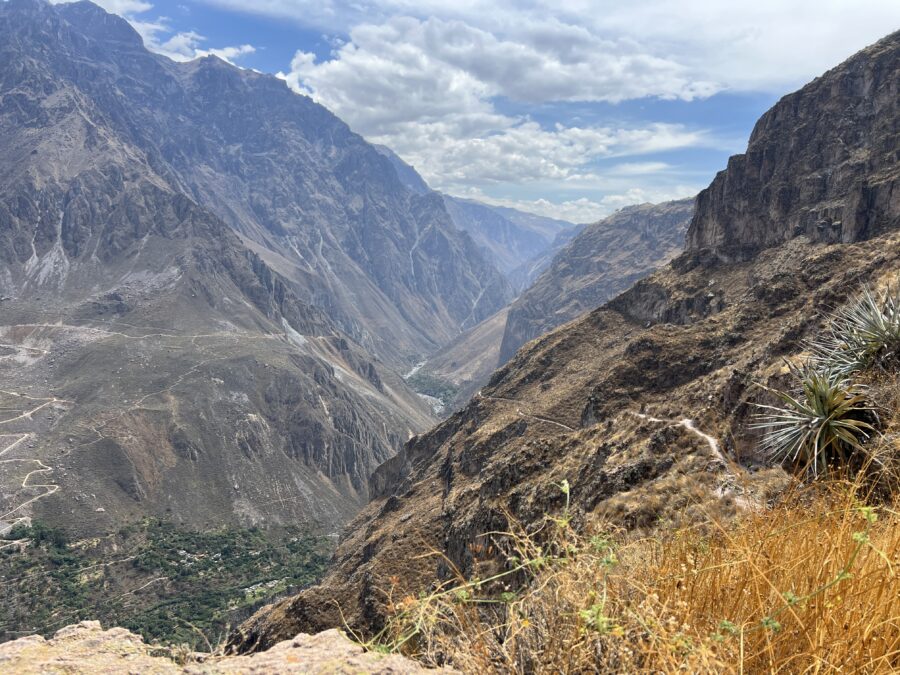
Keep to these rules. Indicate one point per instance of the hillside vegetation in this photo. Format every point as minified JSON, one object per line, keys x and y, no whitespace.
{"x":163,"y":582}
{"x":805,"y":583}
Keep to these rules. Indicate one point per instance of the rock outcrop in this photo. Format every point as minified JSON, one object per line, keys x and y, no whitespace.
{"x":823,"y":163}
{"x":87,"y":648}
{"x":642,"y":405}
{"x":600,"y":262}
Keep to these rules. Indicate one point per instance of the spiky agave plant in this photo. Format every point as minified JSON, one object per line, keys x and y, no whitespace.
{"x":824,"y":424}
{"x":862,"y":334}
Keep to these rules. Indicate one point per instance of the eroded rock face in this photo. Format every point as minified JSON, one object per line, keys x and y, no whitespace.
{"x":642,"y":405}
{"x":87,"y":648}
{"x":599,"y":263}
{"x":824,"y":163}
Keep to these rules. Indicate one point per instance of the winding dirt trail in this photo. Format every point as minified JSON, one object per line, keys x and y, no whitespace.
{"x":21,"y":437}
{"x":688,"y":424}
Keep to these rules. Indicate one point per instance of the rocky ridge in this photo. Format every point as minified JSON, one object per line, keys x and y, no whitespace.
{"x":163,"y":350}
{"x":822,"y":163}
{"x":318,"y":204}
{"x":603,"y":260}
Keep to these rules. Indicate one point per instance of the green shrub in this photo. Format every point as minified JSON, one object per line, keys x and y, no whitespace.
{"x":863,"y":334}
{"x":826,"y":423}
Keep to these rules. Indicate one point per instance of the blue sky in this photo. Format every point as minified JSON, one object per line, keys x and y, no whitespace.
{"x":569,"y":109}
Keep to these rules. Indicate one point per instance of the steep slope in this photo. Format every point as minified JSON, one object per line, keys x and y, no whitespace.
{"x":150,"y":363}
{"x":822,"y":163}
{"x":457,"y":371}
{"x":641,"y":405}
{"x":601,"y":261}
{"x":320,"y":205}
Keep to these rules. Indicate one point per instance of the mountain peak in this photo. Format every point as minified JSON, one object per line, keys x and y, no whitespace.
{"x":96,"y":22}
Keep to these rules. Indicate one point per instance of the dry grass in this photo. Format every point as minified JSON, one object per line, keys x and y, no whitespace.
{"x":807,"y":586}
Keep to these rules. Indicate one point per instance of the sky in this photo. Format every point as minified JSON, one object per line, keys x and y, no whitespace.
{"x":567,"y":108}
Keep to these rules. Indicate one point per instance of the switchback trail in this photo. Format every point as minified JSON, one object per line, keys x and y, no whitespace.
{"x":688,"y":424}
{"x":49,"y":488}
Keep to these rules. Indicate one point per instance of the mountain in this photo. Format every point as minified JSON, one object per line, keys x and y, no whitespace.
{"x":527,"y":273}
{"x":601,"y":261}
{"x":514,"y":240}
{"x":642,"y":404}
{"x":319,"y":205}
{"x":207,"y":285}
{"x":598,"y":262}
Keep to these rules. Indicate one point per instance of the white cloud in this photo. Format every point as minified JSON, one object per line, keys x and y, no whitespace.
{"x":547,"y":61}
{"x":583,"y":209}
{"x":742,"y":44}
{"x":415,"y":86}
{"x":427,"y":89}
{"x":639,"y":168}
{"x":121,"y":7}
{"x":185,"y":46}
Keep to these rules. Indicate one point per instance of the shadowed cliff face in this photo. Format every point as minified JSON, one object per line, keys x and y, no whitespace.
{"x":823,"y":163}
{"x":641,"y":405}
{"x":600,"y":262}
{"x":206,"y":283}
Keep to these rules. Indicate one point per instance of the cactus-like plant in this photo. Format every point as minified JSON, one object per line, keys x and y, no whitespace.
{"x":824,"y":424}
{"x":862,"y":334}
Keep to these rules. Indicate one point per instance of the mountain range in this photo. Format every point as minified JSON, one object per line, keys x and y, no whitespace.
{"x":208,"y":284}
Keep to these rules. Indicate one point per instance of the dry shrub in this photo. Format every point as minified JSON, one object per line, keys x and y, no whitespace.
{"x":809,"y":585}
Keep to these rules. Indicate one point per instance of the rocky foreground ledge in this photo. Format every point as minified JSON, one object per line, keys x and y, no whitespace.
{"x":87,"y":648}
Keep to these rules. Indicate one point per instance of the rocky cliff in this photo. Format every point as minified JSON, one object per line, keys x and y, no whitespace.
{"x":641,"y":405}
{"x":603,"y":260}
{"x":823,"y":163}
{"x":321,"y":206}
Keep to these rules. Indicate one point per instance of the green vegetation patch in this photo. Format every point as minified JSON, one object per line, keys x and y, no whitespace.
{"x":169,"y":584}
{"x":432,"y":385}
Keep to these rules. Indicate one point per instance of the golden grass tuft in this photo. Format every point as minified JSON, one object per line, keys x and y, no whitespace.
{"x":807,"y":586}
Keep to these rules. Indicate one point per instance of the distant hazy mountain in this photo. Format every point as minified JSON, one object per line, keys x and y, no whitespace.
{"x":521,"y":244}
{"x":527,"y":273}
{"x":207,"y":283}
{"x":603,"y":260}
